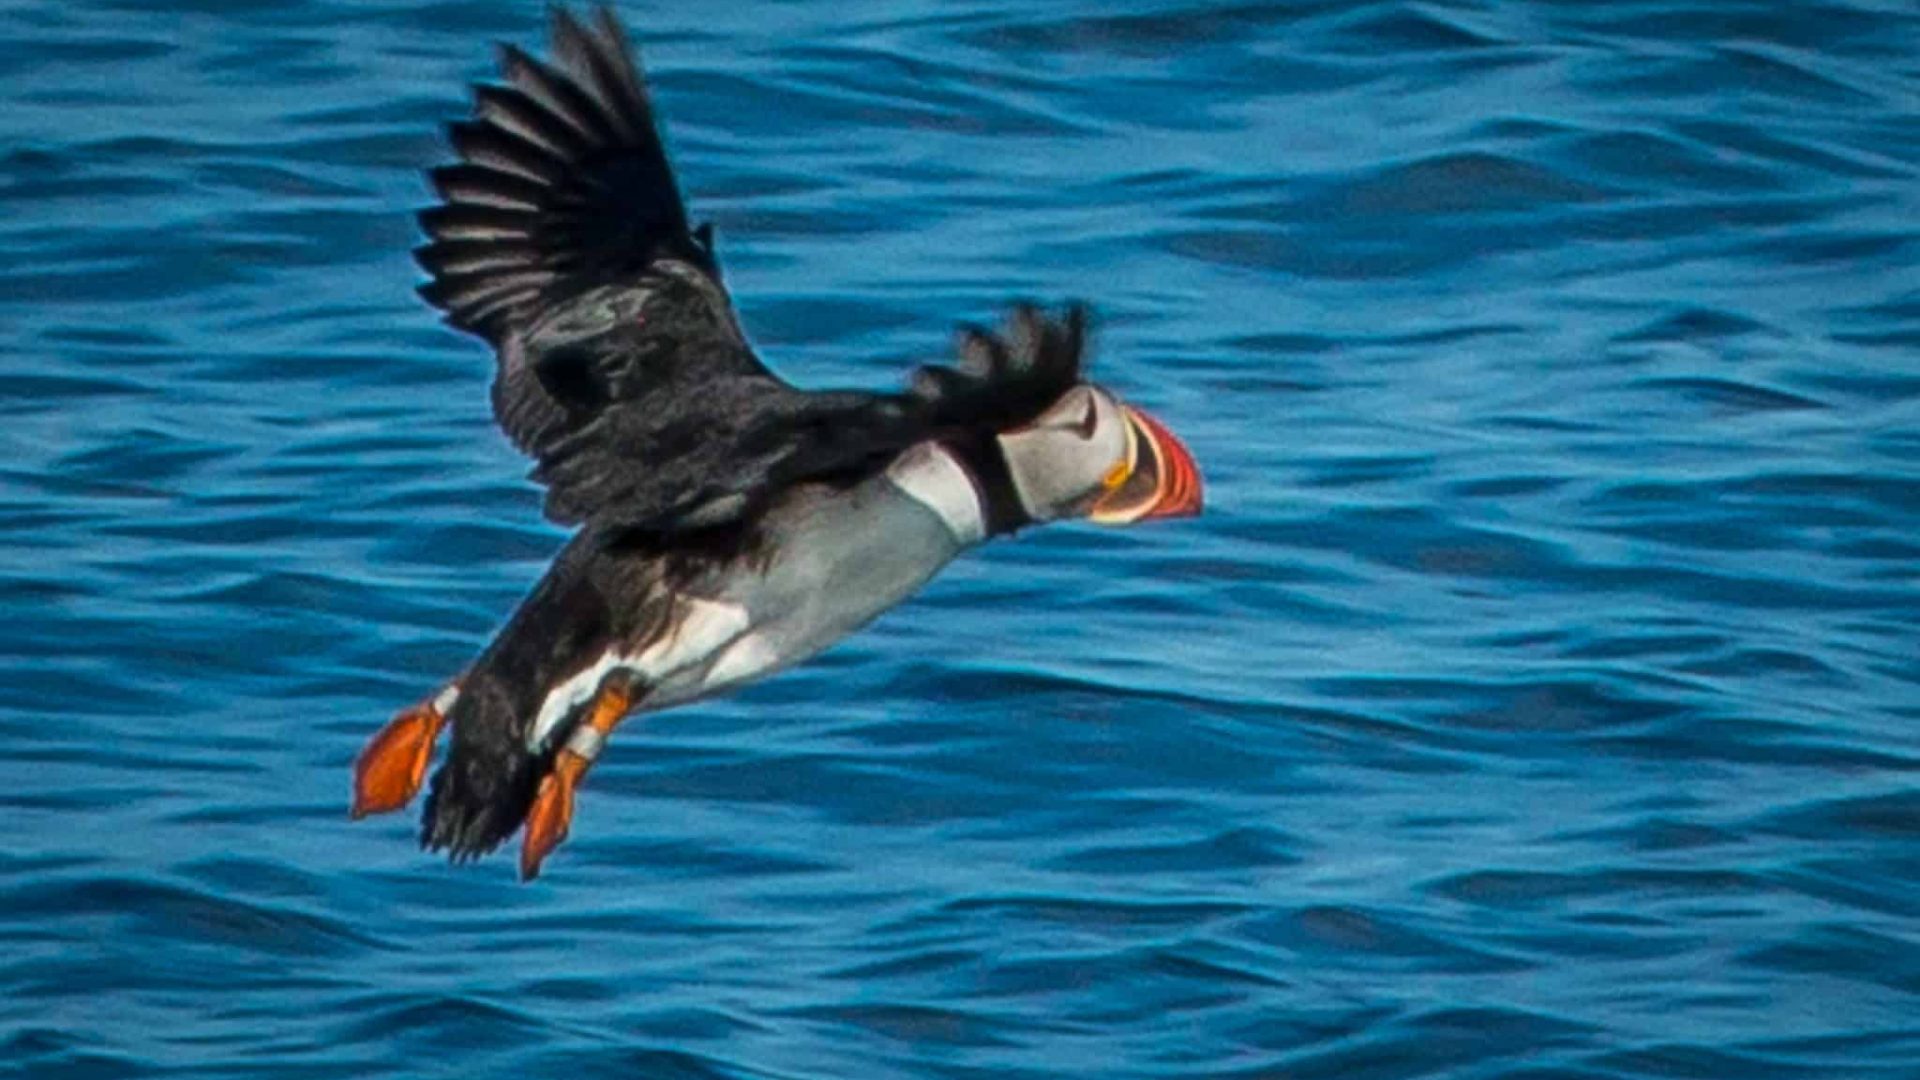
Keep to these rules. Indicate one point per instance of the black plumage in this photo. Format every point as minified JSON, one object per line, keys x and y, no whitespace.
{"x":561,"y":240}
{"x":590,"y":598}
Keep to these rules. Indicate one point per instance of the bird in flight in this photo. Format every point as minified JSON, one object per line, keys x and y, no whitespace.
{"x":728,"y":524}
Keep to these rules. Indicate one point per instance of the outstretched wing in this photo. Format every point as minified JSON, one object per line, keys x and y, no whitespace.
{"x":562,"y":184}
{"x":561,"y":239}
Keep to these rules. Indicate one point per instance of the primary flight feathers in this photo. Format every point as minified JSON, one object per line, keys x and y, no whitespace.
{"x":623,"y":371}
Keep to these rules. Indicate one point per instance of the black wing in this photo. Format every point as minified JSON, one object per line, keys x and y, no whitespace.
{"x":562,"y":240}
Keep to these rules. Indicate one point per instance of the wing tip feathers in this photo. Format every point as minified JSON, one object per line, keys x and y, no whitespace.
{"x":534,"y":171}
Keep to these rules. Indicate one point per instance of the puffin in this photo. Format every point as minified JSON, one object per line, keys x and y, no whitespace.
{"x":726,"y":523}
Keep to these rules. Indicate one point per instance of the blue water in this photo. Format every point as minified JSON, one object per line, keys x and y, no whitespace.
{"x":1540,"y":697}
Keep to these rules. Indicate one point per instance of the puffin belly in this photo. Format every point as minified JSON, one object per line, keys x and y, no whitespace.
{"x":841,"y":558}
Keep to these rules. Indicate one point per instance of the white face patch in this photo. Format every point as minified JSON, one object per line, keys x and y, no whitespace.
{"x":1059,"y":461}
{"x":930,"y":475}
{"x":697,"y":630}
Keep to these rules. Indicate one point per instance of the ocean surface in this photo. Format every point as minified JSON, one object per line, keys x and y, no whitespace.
{"x":1539,"y":698}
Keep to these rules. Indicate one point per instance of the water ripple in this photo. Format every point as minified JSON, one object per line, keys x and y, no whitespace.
{"x":1537,"y":699}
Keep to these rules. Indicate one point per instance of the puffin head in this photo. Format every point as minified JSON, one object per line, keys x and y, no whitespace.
{"x":1090,"y":457}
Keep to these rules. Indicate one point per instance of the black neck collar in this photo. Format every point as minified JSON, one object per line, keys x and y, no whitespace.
{"x":985,"y":463}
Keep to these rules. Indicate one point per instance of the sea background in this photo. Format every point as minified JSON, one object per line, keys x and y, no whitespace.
{"x":1539,"y":698}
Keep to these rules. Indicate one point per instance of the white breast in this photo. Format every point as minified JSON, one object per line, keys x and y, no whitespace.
{"x":931,"y":476}
{"x":838,"y":558}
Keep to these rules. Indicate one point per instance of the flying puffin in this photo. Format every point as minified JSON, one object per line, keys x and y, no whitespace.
{"x":728,"y":523}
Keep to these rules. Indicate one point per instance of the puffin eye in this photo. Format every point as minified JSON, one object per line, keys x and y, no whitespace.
{"x":1088,"y":422}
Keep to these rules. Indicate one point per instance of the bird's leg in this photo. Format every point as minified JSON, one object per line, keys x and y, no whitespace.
{"x":552,"y":812}
{"x":393,"y":763}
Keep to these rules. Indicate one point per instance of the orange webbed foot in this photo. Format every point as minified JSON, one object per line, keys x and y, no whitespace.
{"x":391,"y":767}
{"x":552,"y":814}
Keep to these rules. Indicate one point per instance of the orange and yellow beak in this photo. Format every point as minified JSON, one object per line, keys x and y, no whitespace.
{"x":1157,"y":480}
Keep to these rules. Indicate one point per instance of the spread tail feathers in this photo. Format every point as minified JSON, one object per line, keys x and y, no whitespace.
{"x":483,"y":791}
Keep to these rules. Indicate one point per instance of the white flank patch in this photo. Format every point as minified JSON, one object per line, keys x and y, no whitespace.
{"x":929,"y":474}
{"x":699,"y":628}
{"x":748,"y":656}
{"x":570,"y":695}
{"x":443,"y":704}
